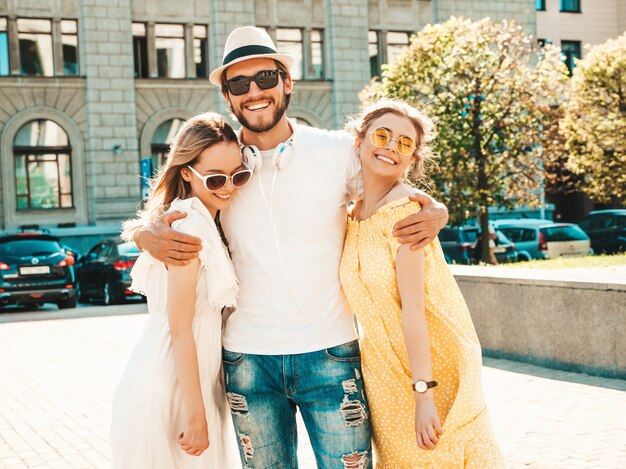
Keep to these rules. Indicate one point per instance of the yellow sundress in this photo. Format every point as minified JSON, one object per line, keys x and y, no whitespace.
{"x":368,"y":277}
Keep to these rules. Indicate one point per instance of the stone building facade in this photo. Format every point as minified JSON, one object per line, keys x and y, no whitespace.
{"x":573,"y":24}
{"x":91,"y":91}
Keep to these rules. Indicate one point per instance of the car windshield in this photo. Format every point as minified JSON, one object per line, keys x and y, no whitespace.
{"x":126,"y":249}
{"x":564,"y":233}
{"x":502,"y":239}
{"x":29,"y":247}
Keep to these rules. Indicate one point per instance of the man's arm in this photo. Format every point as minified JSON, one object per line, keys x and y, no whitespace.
{"x":161,"y":241}
{"x":419,"y":229}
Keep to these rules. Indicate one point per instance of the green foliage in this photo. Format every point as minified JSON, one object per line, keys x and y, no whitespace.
{"x":489,"y":88}
{"x":595,"y":121}
{"x":560,"y":176}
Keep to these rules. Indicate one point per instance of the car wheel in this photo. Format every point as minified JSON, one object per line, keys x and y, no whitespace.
{"x":108,"y":295}
{"x":82,"y":297}
{"x":66,"y":304}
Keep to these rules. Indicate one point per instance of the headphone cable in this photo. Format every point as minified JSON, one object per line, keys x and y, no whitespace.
{"x":270,"y":208}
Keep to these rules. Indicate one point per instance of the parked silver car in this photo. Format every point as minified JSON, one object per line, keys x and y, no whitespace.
{"x":544,"y":239}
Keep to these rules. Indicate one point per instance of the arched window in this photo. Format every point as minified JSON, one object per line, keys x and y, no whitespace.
{"x":162,"y":139}
{"x":301,"y":121}
{"x":43,"y":166}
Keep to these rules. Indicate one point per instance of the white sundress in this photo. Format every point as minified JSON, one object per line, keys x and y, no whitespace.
{"x":148,"y":413}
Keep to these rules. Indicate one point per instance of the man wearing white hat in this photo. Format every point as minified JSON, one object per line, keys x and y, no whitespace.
{"x":291,"y":343}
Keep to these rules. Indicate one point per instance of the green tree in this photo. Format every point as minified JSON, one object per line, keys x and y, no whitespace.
{"x":489,"y":86}
{"x":595,"y":121}
{"x":560,"y":176}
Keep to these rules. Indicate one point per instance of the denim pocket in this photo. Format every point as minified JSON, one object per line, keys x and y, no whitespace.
{"x":231,"y":358}
{"x":345,"y":352}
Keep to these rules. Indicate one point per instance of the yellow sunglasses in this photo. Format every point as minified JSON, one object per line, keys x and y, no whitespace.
{"x":381,"y":137}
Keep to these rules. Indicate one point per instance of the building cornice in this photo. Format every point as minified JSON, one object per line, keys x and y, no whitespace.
{"x":160,"y":84}
{"x":42,"y":82}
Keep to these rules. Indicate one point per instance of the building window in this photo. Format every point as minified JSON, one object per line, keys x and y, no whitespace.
{"x":289,"y":41}
{"x":306,"y":46}
{"x":316,"y":69}
{"x":165,"y":56}
{"x":170,"y":50}
{"x":200,"y":50}
{"x":571,"y":51}
{"x":570,"y":6}
{"x":35,"y":42}
{"x":4,"y":49}
{"x":397,"y":42}
{"x":43,"y":169}
{"x":38,"y":48}
{"x":162,"y":139}
{"x":540,"y":5}
{"x":140,"y":50}
{"x":374,"y":53}
{"x":69,"y":39}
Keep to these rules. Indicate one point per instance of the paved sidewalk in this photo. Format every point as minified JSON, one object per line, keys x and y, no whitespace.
{"x":57,"y":378}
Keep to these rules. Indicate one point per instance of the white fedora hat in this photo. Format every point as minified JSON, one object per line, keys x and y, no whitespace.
{"x":247,"y":43}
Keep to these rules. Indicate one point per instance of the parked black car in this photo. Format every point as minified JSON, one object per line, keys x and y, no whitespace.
{"x":505,"y":250}
{"x":104,"y":273}
{"x":35,"y":269}
{"x":459,"y":244}
{"x":607,"y":230}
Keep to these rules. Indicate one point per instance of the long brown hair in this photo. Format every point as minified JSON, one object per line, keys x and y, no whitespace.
{"x":196,"y":135}
{"x":424,"y":126}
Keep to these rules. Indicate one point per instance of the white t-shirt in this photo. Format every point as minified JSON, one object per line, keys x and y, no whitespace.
{"x":290,"y":297}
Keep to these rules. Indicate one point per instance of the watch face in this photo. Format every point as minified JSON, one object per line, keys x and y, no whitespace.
{"x":420,"y":386}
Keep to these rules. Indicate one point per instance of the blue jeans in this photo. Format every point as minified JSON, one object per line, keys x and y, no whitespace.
{"x":327,"y":386}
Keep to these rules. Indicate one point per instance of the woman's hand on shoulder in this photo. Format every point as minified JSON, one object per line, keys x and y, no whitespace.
{"x":427,"y":425}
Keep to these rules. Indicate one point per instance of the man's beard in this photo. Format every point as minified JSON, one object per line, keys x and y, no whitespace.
{"x":261,"y":127}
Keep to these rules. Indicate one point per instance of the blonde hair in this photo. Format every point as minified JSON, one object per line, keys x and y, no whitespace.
{"x":196,"y":135}
{"x":359,"y":125}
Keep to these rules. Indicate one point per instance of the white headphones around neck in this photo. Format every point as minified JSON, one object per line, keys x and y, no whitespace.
{"x":254,"y":161}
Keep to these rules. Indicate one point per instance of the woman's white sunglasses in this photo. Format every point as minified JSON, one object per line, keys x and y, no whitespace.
{"x":215,"y":182}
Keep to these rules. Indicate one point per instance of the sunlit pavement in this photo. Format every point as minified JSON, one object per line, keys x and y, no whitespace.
{"x":58,"y":370}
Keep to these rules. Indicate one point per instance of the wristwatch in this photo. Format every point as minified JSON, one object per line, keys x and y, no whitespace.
{"x":422,"y":386}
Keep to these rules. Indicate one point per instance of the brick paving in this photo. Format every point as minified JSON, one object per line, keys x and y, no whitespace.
{"x":58,"y":375}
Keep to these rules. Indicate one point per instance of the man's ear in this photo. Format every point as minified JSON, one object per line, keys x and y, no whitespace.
{"x":229,"y":104}
{"x":288,"y":84}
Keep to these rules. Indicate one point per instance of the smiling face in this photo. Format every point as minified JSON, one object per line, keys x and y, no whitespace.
{"x":258,"y":110}
{"x":221,"y":158}
{"x":386,"y":162}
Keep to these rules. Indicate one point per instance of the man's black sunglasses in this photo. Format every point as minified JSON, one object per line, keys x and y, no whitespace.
{"x":265,"y":80}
